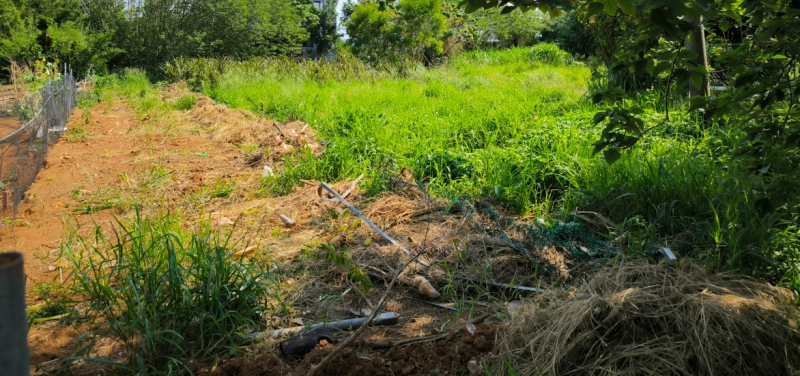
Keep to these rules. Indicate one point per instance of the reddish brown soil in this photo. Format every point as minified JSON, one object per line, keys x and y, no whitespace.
{"x":448,"y":356}
{"x":115,"y":147}
{"x":8,"y":125}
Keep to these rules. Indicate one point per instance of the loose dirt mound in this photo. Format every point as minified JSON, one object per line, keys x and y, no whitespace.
{"x":240,"y":127}
{"x":637,"y":319}
{"x":448,"y":356}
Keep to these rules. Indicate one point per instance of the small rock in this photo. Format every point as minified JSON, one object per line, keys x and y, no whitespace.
{"x":474,"y":367}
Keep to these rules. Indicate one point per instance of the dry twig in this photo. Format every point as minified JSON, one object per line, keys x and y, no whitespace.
{"x":378,"y":307}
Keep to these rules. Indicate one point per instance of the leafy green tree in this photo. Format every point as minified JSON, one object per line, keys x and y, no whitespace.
{"x":326,"y":35}
{"x":493,"y":28}
{"x":423,"y":25}
{"x":375,"y":33}
{"x":18,"y":36}
{"x":282,"y":27}
{"x":397,"y":32}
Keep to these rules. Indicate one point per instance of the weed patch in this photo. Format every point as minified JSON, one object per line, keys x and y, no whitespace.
{"x":513,"y":127}
{"x":185,"y":102}
{"x":166,"y":294}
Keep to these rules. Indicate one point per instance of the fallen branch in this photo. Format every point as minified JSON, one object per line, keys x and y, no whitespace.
{"x":414,"y":215}
{"x":338,"y":349}
{"x":367,"y":221}
{"x":502,"y":285}
{"x":440,"y":305}
{"x":278,"y":127}
{"x":51,"y":318}
{"x":288,"y":222}
{"x":603,"y":219}
{"x":400,"y":342}
{"x":245,"y":252}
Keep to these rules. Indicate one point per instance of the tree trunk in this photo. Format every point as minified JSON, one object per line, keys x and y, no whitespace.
{"x":697,"y":43}
{"x":14,"y":354}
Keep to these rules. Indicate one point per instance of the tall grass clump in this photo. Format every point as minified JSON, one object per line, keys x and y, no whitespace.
{"x":165,"y":294}
{"x":135,"y":86}
{"x":185,"y":103}
{"x":200,"y":72}
{"x":550,"y":53}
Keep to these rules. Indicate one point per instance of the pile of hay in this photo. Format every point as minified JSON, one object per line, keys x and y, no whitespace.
{"x":241,"y":127}
{"x":640,"y":319}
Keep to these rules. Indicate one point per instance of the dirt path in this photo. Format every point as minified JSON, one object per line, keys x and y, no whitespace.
{"x":78,"y":173}
{"x":113,"y":150}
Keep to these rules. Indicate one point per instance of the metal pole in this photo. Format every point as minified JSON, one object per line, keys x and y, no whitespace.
{"x":14,"y":353}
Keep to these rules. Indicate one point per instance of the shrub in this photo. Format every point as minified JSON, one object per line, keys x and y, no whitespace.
{"x":549,"y":53}
{"x":571,"y":35}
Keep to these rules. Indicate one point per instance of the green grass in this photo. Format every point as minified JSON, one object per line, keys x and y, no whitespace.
{"x":168,"y":295}
{"x":185,"y":102}
{"x":513,"y":127}
{"x":448,"y":124}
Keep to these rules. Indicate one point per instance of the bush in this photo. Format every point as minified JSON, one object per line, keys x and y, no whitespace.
{"x":166,"y":294}
{"x":571,"y":35}
{"x":549,"y":53}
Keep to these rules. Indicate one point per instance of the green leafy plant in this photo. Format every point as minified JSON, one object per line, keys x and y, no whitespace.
{"x":549,"y":53}
{"x":166,"y":294}
{"x":340,"y":256}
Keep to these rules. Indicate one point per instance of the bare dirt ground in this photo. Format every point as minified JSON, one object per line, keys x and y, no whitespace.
{"x":8,"y":125}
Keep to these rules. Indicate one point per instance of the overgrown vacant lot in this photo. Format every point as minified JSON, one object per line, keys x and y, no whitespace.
{"x":174,"y":249}
{"x":514,"y":128}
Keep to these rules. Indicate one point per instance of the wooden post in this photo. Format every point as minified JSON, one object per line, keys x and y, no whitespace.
{"x":5,"y":197}
{"x":14,"y":353}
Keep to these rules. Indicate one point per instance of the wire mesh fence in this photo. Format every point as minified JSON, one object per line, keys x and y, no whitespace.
{"x":27,"y":130}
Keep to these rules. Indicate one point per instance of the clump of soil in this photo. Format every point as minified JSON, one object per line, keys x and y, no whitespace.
{"x":448,"y":356}
{"x":635,"y":319}
{"x":266,"y":364}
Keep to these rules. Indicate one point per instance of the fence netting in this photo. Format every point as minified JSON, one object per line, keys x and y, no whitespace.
{"x":28,"y":127}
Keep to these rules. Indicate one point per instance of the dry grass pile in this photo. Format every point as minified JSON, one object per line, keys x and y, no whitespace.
{"x":174,"y":91}
{"x":640,"y":319}
{"x":241,"y":127}
{"x":403,"y":205}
